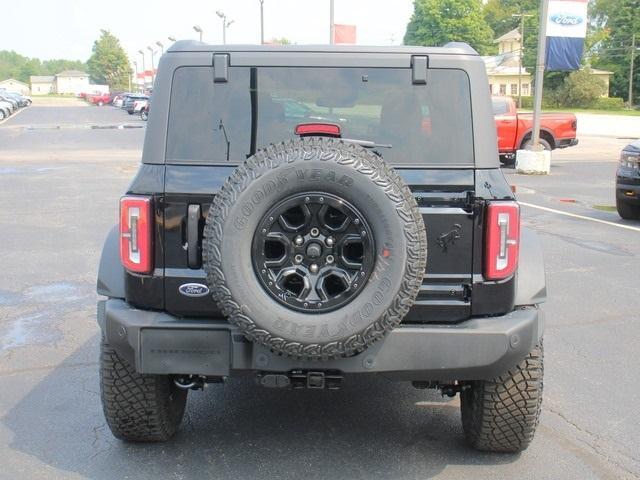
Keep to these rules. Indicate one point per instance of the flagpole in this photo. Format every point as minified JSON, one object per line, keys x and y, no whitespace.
{"x":537,"y":104}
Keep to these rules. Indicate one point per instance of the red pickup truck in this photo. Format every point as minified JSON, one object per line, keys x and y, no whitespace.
{"x":99,"y":99}
{"x":557,"y":130}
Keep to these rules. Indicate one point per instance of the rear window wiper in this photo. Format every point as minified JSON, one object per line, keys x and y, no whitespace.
{"x":367,"y":143}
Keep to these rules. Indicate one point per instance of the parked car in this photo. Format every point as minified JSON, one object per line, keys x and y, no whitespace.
{"x":298,"y":253}
{"x":144,"y":111}
{"x":6,"y":109}
{"x":118,"y":99}
{"x":138,"y":105}
{"x":100,"y":99}
{"x":9,"y":99}
{"x":628,"y":182}
{"x":22,"y":100}
{"x":557,"y":130}
{"x":129,"y":101}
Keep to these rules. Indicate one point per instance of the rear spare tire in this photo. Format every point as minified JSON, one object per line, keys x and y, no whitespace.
{"x":315,"y":248}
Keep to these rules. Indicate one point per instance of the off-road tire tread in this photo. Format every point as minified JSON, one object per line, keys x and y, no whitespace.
{"x":501,"y":415}
{"x":137,"y":407}
{"x":363,"y":162}
{"x":626,"y":211}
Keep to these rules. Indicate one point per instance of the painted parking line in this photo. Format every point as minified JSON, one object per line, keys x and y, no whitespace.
{"x":581,"y":217}
{"x":13,"y":115}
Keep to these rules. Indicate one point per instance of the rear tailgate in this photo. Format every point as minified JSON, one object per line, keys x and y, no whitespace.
{"x":442,"y":195}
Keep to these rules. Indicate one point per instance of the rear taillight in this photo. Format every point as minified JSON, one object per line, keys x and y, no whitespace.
{"x":502,"y":240}
{"x":136,"y":237}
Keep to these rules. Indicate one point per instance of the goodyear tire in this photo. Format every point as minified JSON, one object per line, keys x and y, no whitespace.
{"x":345,"y":194}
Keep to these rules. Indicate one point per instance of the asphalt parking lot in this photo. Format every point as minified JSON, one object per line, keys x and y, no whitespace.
{"x":60,"y":180}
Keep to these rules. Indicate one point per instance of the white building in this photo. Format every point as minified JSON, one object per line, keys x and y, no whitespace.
{"x":72,"y":82}
{"x":42,"y":84}
{"x":13,"y":85}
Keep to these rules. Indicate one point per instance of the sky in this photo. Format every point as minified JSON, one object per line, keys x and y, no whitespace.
{"x":50,"y":29}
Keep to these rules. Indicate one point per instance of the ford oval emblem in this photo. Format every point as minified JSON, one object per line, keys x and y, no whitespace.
{"x":193,"y":289}
{"x":566,"y":19}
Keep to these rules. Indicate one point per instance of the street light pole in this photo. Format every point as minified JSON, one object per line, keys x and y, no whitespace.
{"x":161,"y":47}
{"x":152,"y":66}
{"x":262,"y":22}
{"x":332,"y":27}
{"x":542,"y":45}
{"x":171,"y":39}
{"x":633,"y":54}
{"x":198,"y":29}
{"x":521,"y":54}
{"x":225,"y":24}
{"x":135,"y":65}
{"x":144,"y":69}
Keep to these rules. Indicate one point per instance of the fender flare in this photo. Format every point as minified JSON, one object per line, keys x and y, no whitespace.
{"x":531,"y":284}
{"x":530,"y":132}
{"x":111,"y":272}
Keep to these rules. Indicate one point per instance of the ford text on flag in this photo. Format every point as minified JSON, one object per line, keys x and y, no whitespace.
{"x":566,"y":29}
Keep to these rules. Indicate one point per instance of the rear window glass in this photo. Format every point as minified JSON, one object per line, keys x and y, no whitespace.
{"x":500,"y":105}
{"x":224,"y":122}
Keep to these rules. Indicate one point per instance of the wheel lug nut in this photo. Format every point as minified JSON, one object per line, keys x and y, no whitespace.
{"x":329,"y":259}
{"x":298,"y":240}
{"x":313,"y":268}
{"x":298,"y":258}
{"x":315,"y":232}
{"x":330,"y":241}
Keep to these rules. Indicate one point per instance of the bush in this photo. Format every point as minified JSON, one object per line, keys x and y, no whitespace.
{"x":581,"y":89}
{"x":608,"y":103}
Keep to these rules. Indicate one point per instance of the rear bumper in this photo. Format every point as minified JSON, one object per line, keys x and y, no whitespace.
{"x":480,"y":348}
{"x":566,"y":142}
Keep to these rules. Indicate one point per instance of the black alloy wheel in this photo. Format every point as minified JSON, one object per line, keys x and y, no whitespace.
{"x":313,"y":252}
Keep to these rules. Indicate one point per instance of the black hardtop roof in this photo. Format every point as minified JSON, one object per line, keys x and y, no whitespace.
{"x":451,"y":48}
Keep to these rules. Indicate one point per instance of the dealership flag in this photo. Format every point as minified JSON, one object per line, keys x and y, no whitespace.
{"x":566,"y":29}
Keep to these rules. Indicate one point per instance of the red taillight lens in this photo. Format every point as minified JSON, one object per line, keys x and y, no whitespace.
{"x":322,"y":129}
{"x":502,"y":240}
{"x":136,"y":237}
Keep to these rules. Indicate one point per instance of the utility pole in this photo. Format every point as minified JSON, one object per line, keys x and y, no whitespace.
{"x":542,"y":45}
{"x":261,"y":22}
{"x":521,"y":53}
{"x":633,"y":54}
{"x":332,"y":27}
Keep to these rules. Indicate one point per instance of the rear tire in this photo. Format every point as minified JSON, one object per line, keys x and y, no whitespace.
{"x":501,"y":415}
{"x":144,"y":115}
{"x":526,"y":145}
{"x":137,"y":407}
{"x":627,"y":211}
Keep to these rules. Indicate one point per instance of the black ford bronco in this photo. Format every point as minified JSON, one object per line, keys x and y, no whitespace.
{"x":307,"y":214}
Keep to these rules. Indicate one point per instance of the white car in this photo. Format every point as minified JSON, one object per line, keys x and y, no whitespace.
{"x":139,"y":105}
{"x":5,"y":109}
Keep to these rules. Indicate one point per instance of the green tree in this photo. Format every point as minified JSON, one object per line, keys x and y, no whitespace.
{"x":436,"y":22}
{"x":614,"y":22}
{"x":109,"y":62}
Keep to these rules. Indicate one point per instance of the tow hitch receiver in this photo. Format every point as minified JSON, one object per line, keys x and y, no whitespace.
{"x":299,"y":379}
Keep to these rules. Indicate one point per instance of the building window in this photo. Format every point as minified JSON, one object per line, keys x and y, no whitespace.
{"x":514,"y":89}
{"x":490,"y":88}
{"x":525,"y":89}
{"x":503,"y":89}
